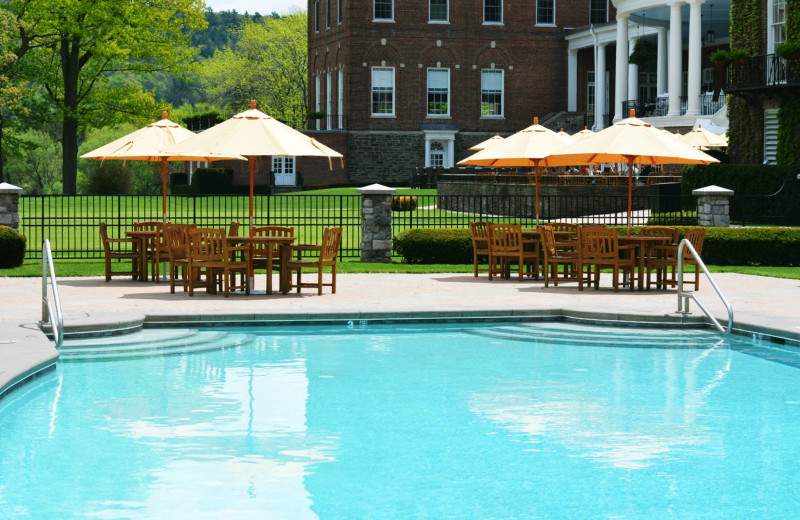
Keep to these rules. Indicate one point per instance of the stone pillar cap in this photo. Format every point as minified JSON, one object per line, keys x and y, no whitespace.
{"x":712,"y":190}
{"x":376,"y":189}
{"x":9,"y":188}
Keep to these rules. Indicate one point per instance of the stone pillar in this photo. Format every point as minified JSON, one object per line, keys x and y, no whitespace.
{"x":9,"y":205}
{"x":376,"y":223}
{"x":713,"y":206}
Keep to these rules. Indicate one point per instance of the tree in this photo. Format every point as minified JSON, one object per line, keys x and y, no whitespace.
{"x":94,"y":42}
{"x":37,"y":169}
{"x":267,"y":61}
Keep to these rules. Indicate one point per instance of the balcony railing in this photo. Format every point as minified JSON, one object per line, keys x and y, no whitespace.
{"x":659,"y":107}
{"x":760,"y":72}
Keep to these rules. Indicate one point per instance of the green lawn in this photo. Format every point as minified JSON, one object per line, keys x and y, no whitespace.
{"x":68,"y":268}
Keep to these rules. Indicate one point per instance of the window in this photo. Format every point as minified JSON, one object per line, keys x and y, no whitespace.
{"x":437,"y":10}
{"x":316,"y":16}
{"x":282,"y":164}
{"x":384,"y":9}
{"x":339,"y":5}
{"x":492,"y":11}
{"x":778,"y":22}
{"x":317,"y":94}
{"x":491,"y":93}
{"x":438,"y":92}
{"x":327,"y":14}
{"x":328,"y":100}
{"x":598,"y":11}
{"x":340,"y":92}
{"x":545,"y":12}
{"x":383,"y":91}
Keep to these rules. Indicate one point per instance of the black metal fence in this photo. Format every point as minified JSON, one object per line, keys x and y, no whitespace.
{"x":71,"y":222}
{"x":758,"y":72}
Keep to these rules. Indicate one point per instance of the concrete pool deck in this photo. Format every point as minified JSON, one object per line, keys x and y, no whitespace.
{"x":765,"y":305}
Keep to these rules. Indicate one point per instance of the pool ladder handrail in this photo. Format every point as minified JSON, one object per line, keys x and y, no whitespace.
{"x":57,"y":326}
{"x":683,"y":296}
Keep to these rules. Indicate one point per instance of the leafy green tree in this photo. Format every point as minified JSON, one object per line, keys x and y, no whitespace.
{"x":93,"y":41}
{"x":267,"y":62}
{"x":38,"y":169}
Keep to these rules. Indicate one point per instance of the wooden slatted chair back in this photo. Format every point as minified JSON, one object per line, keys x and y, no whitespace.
{"x":670,"y":233}
{"x":269,"y":231}
{"x":696,"y":237}
{"x":599,"y":242}
{"x":331,"y":238}
{"x":207,"y":244}
{"x":505,"y":238}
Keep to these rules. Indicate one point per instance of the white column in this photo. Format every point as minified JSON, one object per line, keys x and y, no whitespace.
{"x":661,"y":61}
{"x":694,"y":79}
{"x":572,"y":80}
{"x":427,"y":151}
{"x":675,"y":58}
{"x":451,"y":152}
{"x":600,"y":88}
{"x":633,"y":73}
{"x":621,"y":69}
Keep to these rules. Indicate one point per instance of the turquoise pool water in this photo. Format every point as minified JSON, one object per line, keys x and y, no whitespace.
{"x":476,"y":421}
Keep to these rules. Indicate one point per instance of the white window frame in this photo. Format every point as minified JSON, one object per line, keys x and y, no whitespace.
{"x":546,"y":24}
{"x":339,"y":12}
{"x":605,"y":12}
{"x":283,"y":164}
{"x":316,"y":16}
{"x":317,"y":96}
{"x":502,"y":93}
{"x":327,"y":14}
{"x":428,"y":92}
{"x":446,"y":13}
{"x":328,"y":100}
{"x":393,"y":92}
{"x":374,"y":11}
{"x":340,"y":95}
{"x":493,"y":22}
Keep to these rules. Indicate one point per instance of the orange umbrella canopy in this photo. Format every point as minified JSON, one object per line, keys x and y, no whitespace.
{"x":149,"y":143}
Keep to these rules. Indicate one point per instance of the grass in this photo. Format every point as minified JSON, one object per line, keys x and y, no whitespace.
{"x":70,"y":268}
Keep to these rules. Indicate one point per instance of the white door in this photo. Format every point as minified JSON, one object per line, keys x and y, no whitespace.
{"x":283,"y":170}
{"x":438,"y":156}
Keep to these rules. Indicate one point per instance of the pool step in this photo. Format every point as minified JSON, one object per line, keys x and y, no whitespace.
{"x":151,"y":343}
{"x":576,"y":334}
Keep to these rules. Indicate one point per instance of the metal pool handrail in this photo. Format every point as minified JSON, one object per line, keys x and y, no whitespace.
{"x":683,"y":296}
{"x":47,"y":304}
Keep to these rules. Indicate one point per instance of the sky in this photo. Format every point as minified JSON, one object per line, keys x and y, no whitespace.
{"x":261,"y":6}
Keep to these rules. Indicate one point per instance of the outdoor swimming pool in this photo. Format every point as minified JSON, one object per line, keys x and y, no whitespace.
{"x":475,"y":420}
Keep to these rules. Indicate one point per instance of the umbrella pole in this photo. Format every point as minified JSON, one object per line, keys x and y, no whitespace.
{"x":536,"y":175}
{"x":164,"y":192}
{"x":252,"y":166}
{"x":630,"y":193}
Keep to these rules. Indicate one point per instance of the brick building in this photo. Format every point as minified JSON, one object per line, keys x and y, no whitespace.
{"x":417,"y":82}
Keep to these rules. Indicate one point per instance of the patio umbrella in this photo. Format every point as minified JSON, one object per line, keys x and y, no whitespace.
{"x":562,"y":133}
{"x":253,"y":133}
{"x":703,"y":139}
{"x":583,"y":134}
{"x":531,"y":146}
{"x":632,"y":141}
{"x":148,"y":143}
{"x":487,"y":143}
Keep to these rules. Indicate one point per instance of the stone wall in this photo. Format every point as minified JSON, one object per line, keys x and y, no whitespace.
{"x":9,"y":205}
{"x":517,"y":200}
{"x":384,"y":157}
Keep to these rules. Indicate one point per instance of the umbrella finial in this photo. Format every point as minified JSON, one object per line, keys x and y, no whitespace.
{"x":164,"y":114}
{"x":633,"y":112}
{"x":252,"y":104}
{"x":535,"y":120}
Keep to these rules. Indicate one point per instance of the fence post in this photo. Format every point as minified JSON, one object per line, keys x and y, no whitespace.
{"x":9,"y":205}
{"x":713,"y":206}
{"x":376,"y":223}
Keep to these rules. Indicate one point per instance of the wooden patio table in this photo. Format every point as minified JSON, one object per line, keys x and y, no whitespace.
{"x":283,"y":255}
{"x":143,"y":240}
{"x":643,"y":245}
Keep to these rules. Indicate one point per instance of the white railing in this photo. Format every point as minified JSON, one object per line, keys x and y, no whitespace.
{"x":683,"y":296}
{"x":48,"y":304}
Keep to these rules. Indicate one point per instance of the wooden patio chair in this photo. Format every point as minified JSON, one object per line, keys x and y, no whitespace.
{"x":160,"y":253}
{"x":599,"y":249}
{"x":119,"y":249}
{"x":654,"y":251}
{"x":262,"y":253}
{"x":151,"y":244}
{"x":665,"y":258}
{"x":506,"y":247}
{"x":176,"y":241}
{"x":208,"y":250}
{"x":328,"y":252}
{"x":479,"y":232}
{"x":555,"y":254}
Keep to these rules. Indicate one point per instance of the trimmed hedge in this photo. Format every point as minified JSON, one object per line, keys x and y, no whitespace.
{"x":12,"y":248}
{"x":722,"y":246}
{"x":434,"y":246}
{"x":213,"y":181}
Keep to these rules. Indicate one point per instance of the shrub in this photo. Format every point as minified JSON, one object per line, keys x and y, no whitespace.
{"x":12,"y":248}
{"x":213,"y":181}
{"x":434,"y":246}
{"x":108,"y":178}
{"x":404,"y":203}
{"x":723,"y":246}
